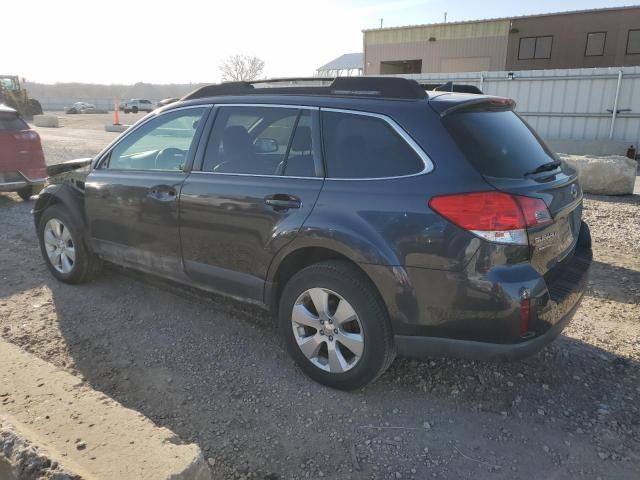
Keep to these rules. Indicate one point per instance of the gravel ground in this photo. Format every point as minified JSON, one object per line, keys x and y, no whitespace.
{"x":79,"y":135}
{"x":213,"y":371}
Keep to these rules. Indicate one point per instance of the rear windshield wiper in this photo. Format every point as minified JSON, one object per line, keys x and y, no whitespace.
{"x":545,"y":167}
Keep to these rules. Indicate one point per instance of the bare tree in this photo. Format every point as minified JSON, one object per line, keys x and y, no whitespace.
{"x":241,"y":67}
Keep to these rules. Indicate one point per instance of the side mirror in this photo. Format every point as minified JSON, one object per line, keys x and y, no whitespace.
{"x":266,"y":145}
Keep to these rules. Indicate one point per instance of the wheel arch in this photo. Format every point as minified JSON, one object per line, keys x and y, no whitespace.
{"x":293,"y":260}
{"x":60,"y":194}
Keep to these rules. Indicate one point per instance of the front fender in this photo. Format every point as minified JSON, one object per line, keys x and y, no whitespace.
{"x":53,"y":194}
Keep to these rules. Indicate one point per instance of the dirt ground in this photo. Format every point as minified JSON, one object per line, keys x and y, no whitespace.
{"x":213,"y":371}
{"x":80,"y":135}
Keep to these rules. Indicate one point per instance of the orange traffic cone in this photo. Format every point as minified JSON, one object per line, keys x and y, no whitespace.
{"x":116,"y":113}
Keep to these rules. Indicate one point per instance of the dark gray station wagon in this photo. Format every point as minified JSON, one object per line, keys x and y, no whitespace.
{"x":372,"y":217}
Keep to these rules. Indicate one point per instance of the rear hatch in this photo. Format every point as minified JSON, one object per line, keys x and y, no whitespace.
{"x":20,"y":149}
{"x":511,"y":157}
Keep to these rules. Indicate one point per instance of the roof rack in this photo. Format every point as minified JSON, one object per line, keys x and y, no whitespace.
{"x":372,"y":87}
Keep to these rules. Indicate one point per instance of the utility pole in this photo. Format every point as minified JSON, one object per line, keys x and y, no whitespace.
{"x":445,"y":17}
{"x":381,"y":22}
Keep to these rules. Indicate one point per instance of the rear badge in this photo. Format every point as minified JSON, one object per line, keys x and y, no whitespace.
{"x":545,"y":237}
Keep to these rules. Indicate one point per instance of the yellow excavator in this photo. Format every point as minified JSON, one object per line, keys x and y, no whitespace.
{"x":14,"y":95}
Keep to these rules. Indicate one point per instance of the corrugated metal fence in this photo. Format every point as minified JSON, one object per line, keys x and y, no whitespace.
{"x":579,"y":104}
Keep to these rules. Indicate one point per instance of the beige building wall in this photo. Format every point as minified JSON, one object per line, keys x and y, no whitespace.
{"x":569,"y":39}
{"x":442,"y":48}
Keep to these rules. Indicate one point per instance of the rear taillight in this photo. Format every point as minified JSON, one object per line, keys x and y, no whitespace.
{"x":494,"y":216}
{"x":26,"y":135}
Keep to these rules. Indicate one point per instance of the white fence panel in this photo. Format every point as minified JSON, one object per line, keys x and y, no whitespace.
{"x":572,"y":104}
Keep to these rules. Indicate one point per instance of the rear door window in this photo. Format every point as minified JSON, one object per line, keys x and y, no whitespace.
{"x":498,"y":143}
{"x":9,"y":122}
{"x":273,"y":141}
{"x":365,"y":146}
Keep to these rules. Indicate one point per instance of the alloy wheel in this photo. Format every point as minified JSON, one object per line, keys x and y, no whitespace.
{"x":59,"y":245}
{"x":327,"y":330}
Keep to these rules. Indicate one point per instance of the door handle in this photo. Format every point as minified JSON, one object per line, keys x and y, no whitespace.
{"x":162,"y":193}
{"x":281,"y":201}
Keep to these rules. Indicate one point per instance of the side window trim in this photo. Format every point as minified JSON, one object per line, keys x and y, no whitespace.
{"x":199,"y":160}
{"x":104,"y":155}
{"x":426,"y":160}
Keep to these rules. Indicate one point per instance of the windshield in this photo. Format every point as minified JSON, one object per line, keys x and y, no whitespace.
{"x":498,"y":143}
{"x":9,"y":83}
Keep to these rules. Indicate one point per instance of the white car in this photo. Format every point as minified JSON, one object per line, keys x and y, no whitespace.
{"x":81,"y":107}
{"x":136,"y":105}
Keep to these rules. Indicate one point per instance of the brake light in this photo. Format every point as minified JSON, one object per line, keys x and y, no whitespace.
{"x":495,"y":216}
{"x":26,"y":135}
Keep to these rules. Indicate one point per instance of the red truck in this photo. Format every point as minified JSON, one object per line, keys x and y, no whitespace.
{"x":22,"y":166}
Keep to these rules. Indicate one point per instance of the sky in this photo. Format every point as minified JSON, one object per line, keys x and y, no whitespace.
{"x":185,"y":41}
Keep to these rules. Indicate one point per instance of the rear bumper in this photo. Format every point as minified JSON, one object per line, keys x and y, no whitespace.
{"x":476,"y":314}
{"x":420,"y":347}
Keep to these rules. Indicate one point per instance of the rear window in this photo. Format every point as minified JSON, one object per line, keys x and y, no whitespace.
{"x":9,"y":122}
{"x":498,"y":143}
{"x":362,"y":146}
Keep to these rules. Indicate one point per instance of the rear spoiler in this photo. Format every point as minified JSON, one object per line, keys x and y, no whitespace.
{"x":68,"y":166}
{"x":482,"y":103}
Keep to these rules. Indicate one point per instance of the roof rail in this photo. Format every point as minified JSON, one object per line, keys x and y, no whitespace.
{"x":373,"y":87}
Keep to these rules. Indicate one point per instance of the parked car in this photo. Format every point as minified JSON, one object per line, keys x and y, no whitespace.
{"x":371,"y":217}
{"x":138,"y":105}
{"x":22,"y":167}
{"x":80,"y":107}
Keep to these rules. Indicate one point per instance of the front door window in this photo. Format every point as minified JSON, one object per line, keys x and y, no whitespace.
{"x":162,"y":144}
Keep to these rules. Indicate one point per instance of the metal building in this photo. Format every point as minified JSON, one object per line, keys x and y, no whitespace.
{"x":584,"y":39}
{"x":345,"y":65}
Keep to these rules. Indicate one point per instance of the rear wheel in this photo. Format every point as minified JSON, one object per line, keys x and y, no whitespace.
{"x":25,"y":193}
{"x":63,"y":247}
{"x":134,"y":109}
{"x":335,"y":325}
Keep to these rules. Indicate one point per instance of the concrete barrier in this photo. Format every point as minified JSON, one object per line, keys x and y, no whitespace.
{"x":614,"y":175}
{"x":46,"y":121}
{"x":57,"y":421}
{"x":599,"y":148}
{"x":116,"y":128}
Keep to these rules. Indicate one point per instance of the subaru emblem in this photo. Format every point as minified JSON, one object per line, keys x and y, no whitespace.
{"x":574,"y":190}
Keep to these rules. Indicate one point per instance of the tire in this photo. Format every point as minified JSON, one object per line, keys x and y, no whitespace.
{"x":126,"y":110}
{"x":36,"y":108}
{"x":134,"y":109}
{"x":341,"y":282}
{"x":86,"y":265}
{"x":25,"y":193}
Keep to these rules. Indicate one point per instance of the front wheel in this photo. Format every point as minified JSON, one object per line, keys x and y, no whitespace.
{"x":335,"y":325}
{"x":35,"y":107}
{"x":63,"y":247}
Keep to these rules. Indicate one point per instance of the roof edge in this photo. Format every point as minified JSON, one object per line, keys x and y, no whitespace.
{"x":497,"y":19}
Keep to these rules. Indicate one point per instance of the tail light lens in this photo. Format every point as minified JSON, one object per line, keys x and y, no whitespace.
{"x":495,"y":216}
{"x":26,"y":135}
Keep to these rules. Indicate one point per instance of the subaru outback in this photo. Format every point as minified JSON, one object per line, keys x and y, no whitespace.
{"x":372,"y":217}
